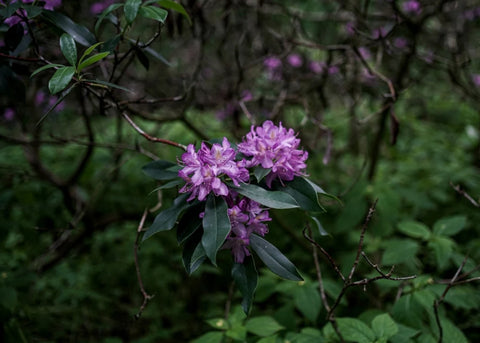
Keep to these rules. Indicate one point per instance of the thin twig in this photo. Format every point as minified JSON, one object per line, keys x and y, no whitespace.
{"x":465,"y":194}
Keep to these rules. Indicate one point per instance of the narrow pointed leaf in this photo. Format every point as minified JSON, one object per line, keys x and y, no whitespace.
{"x":79,"y":33}
{"x":155,"y":13}
{"x":304,"y":194}
{"x":175,"y":6}
{"x":60,"y":99}
{"x":131,"y":9}
{"x":193,"y":253}
{"x":321,"y":230}
{"x":189,"y":223}
{"x":272,"y":199}
{"x":92,"y":59}
{"x":246,"y":278}
{"x":260,"y":173}
{"x":61,"y":79}
{"x":69,"y":49}
{"x":166,"y":219}
{"x":105,"y":84}
{"x":274,"y":259}
{"x":45,"y":67}
{"x":216,"y":226}
{"x":161,"y":170}
{"x":88,"y":51}
{"x":106,"y":12}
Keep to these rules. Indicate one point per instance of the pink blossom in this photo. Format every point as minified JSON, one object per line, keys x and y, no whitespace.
{"x":317,"y":67}
{"x":295,"y":60}
{"x":412,"y":7}
{"x":9,"y":114}
{"x":476,"y":79}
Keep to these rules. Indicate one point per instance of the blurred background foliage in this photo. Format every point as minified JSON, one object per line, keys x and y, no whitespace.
{"x":383,"y":94}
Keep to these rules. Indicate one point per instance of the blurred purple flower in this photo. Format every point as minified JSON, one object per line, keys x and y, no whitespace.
{"x":246,"y":217}
{"x":332,"y":70}
{"x":380,"y":32}
{"x":272,"y":63}
{"x":476,"y":79}
{"x":412,"y":7}
{"x":52,"y":101}
{"x":350,"y":28}
{"x":9,"y":114}
{"x":52,"y":4}
{"x":246,"y":96}
{"x":99,"y":7}
{"x":364,"y":52}
{"x":400,"y":43}
{"x":203,"y":169}
{"x":317,"y":67}
{"x":274,"y":147}
{"x":40,"y":97}
{"x":295,"y":60}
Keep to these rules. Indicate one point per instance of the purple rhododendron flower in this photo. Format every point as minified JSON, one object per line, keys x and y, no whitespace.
{"x":9,"y":114}
{"x":295,"y":60}
{"x":203,"y":170}
{"x":99,"y":7}
{"x":246,"y":217}
{"x":272,"y":63}
{"x":317,"y":67}
{"x":274,"y":147}
{"x":412,"y":7}
{"x":476,"y":79}
{"x":350,"y":28}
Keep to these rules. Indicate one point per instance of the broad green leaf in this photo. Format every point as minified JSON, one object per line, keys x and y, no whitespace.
{"x":131,"y":10}
{"x":218,"y":323}
{"x":237,"y":332}
{"x":451,"y":333}
{"x":61,"y":79}
{"x":304,"y":194}
{"x":404,"y":334}
{"x":189,"y":223}
{"x":92,"y":60}
{"x":166,"y":219}
{"x":45,"y":67}
{"x":106,"y":12}
{"x":306,"y":335}
{"x":449,"y":226}
{"x":79,"y":33}
{"x":193,"y":253}
{"x":399,"y":251}
{"x":260,"y":173}
{"x":464,"y":298}
{"x":272,"y":199}
{"x":270,"y":339}
{"x":355,"y":330}
{"x":384,"y":326}
{"x":152,"y":12}
{"x":105,"y":84}
{"x":209,"y":337}
{"x":307,"y":299}
{"x":414,"y":229}
{"x":263,"y":326}
{"x":246,"y":278}
{"x":161,"y":170}
{"x":216,"y":226}
{"x":69,"y":49}
{"x":443,"y":248}
{"x":274,"y":259}
{"x":172,"y":5}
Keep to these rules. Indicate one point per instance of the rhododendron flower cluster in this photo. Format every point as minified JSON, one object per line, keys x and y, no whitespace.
{"x":203,"y":170}
{"x":246,"y":217}
{"x":276,"y":148}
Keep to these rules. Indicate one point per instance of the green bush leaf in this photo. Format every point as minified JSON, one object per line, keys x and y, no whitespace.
{"x":414,"y":229}
{"x":443,"y":248}
{"x":210,"y":337}
{"x":246,"y":278}
{"x":449,"y":226}
{"x":274,"y":259}
{"x":272,"y":199}
{"x":175,"y":6}
{"x":79,"y":33}
{"x":399,"y":251}
{"x":216,"y":226}
{"x":61,"y":79}
{"x":308,"y":301}
{"x":384,"y":326}
{"x":161,"y":170}
{"x":263,"y":326}
{"x":131,"y":10}
{"x":155,"y":13}
{"x":92,"y":60}
{"x":193,"y":253}
{"x":189,"y":223}
{"x":106,"y":12}
{"x":260,"y":173}
{"x":69,"y":49}
{"x":404,"y":334}
{"x":355,"y":330}
{"x":166,"y":219}
{"x":45,"y":67}
{"x":304,"y":194}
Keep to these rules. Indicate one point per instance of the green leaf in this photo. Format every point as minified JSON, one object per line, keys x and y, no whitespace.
{"x":106,"y":12}
{"x":131,"y":10}
{"x":414,"y":229}
{"x":60,"y":99}
{"x":272,"y":199}
{"x":237,"y":332}
{"x":443,"y":248}
{"x":105,"y":84}
{"x":274,"y":259}
{"x":88,"y":51}
{"x":308,"y":301}
{"x":32,"y":11}
{"x":166,"y":219}
{"x":218,"y":323}
{"x":451,"y":333}
{"x":404,"y":334}
{"x":449,"y":226}
{"x":8,"y":298}
{"x":45,"y":67}
{"x":355,"y":330}
{"x":171,"y":5}
{"x":384,"y":326}
{"x":246,"y":278}
{"x":161,"y":170}
{"x":399,"y":251}
{"x":69,"y":49}
{"x":216,"y":226}
{"x":79,"y":33}
{"x":193,"y":253}
{"x":92,"y":60}
{"x":304,"y":194}
{"x":210,"y":337}
{"x":260,"y":173}
{"x":263,"y":326}
{"x":306,"y":335}
{"x":155,"y":13}
{"x":61,"y":79}
{"x":189,"y":223}
{"x":320,"y":228}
